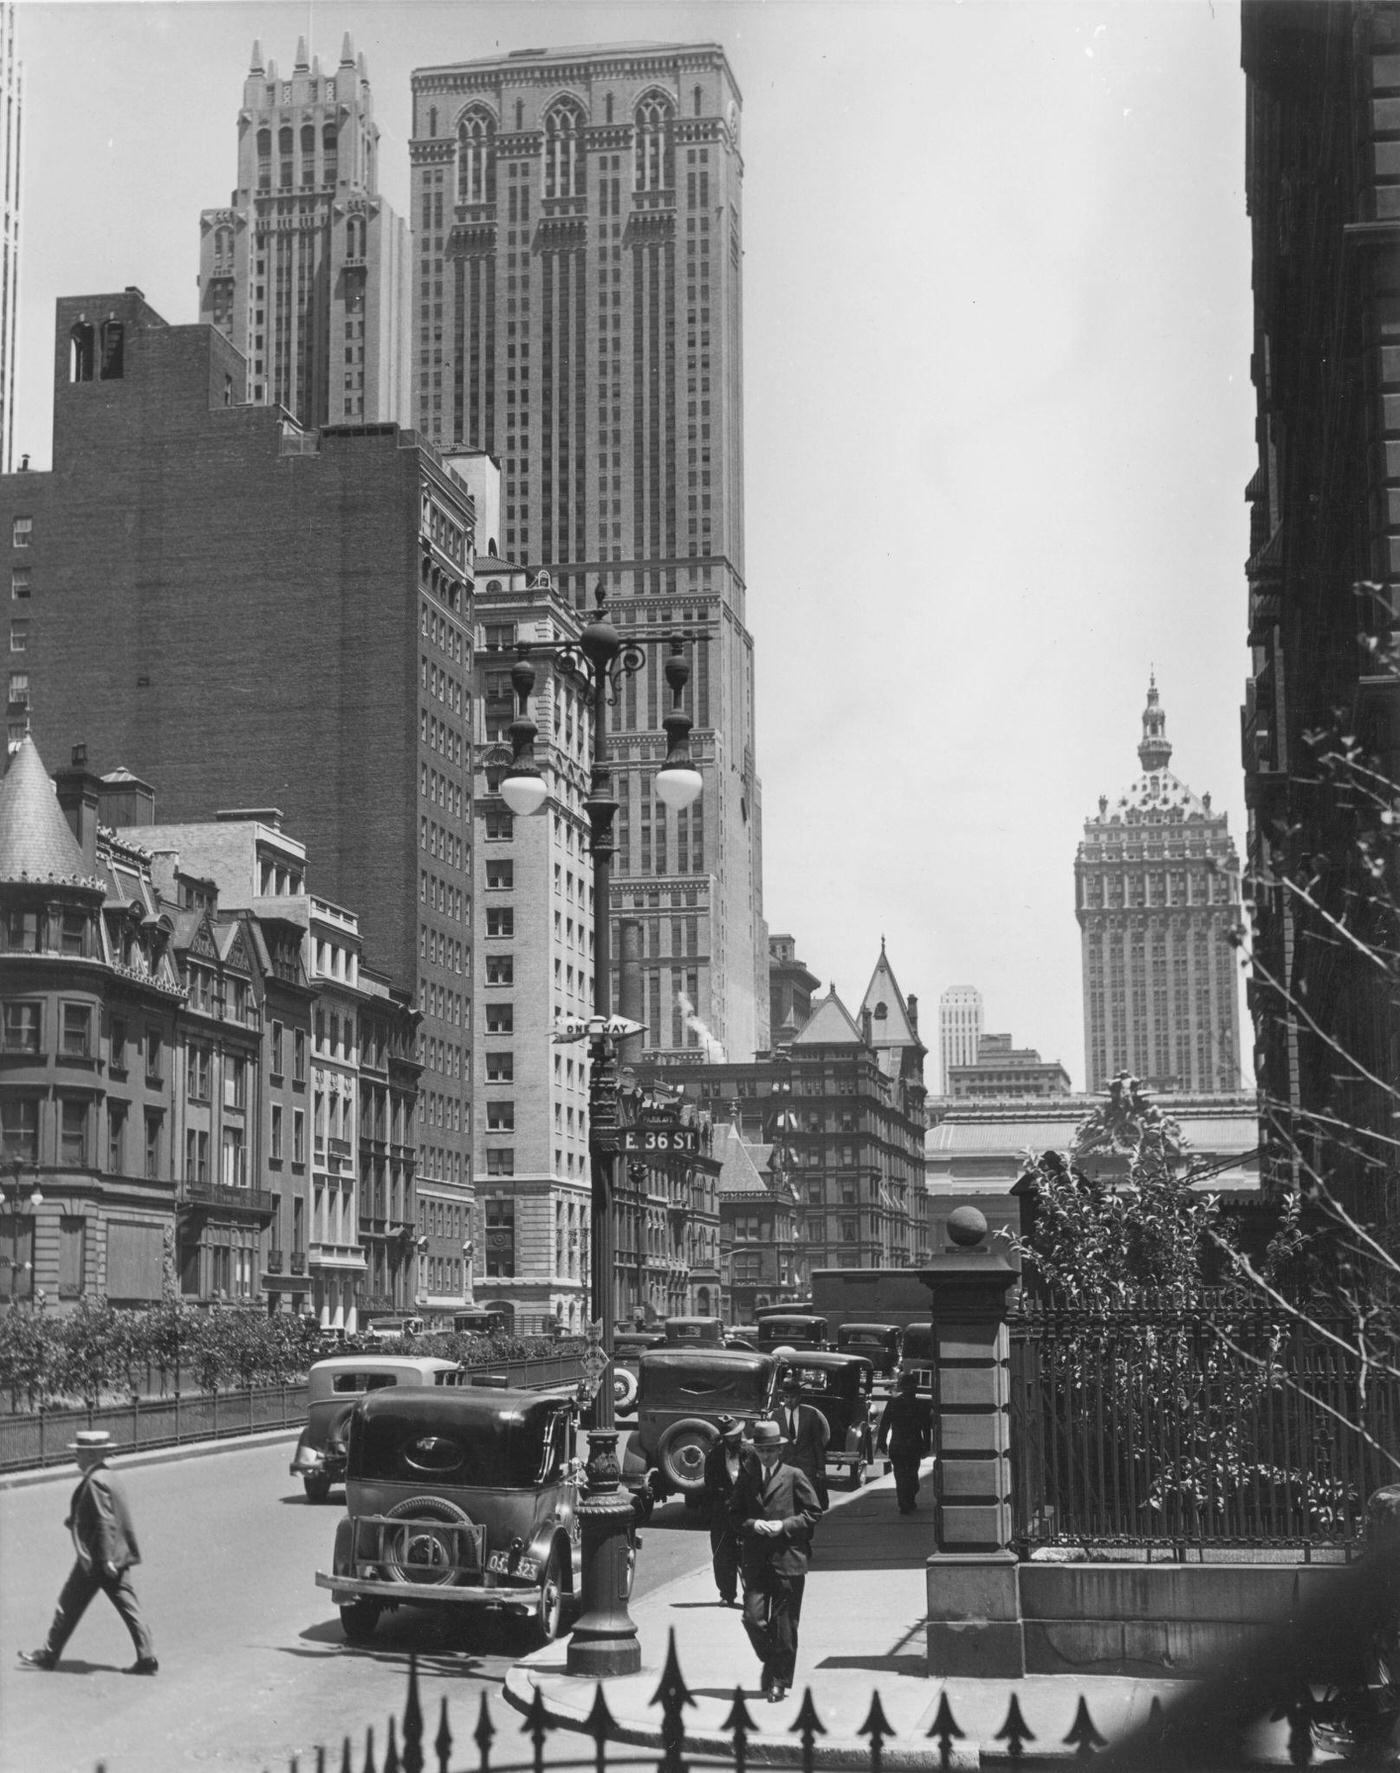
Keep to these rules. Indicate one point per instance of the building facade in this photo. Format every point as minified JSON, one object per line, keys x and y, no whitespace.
{"x":1322,"y":180}
{"x":959,"y":1030}
{"x":11,"y":117}
{"x":790,"y":988}
{"x":578,"y":286}
{"x":757,"y":1223}
{"x":248,"y":613}
{"x":999,"y":1069}
{"x":1157,"y":896}
{"x":307,"y":268}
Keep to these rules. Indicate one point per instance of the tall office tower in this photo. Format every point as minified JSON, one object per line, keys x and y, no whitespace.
{"x":1157,"y":892}
{"x":11,"y":97}
{"x":959,"y":1030}
{"x":248,"y":614}
{"x":307,"y":270}
{"x":578,"y":290}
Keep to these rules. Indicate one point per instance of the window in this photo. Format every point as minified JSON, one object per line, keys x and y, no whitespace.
{"x":276,"y":1151}
{"x":155,"y":1056}
{"x":200,"y":1063}
{"x":500,"y":1237}
{"x":22,"y":531}
{"x":299,"y":1055}
{"x":153,"y":1125}
{"x":500,"y":1117}
{"x":500,"y":920}
{"x":235,"y":1082}
{"x":500,"y":874}
{"x":73,"y":1132}
{"x":19,"y":1127}
{"x":21,"y":1028}
{"x":19,"y":583}
{"x":72,"y":1239}
{"x":113,"y":344}
{"x":19,"y":689}
{"x":277,"y":1049}
{"x":500,"y":1163}
{"x":500,"y":1067}
{"x":500,"y":1018}
{"x":499,"y":823}
{"x":73,"y":932}
{"x":116,"y":1064}
{"x":76,"y":1040}
{"x":298,"y":1135}
{"x":116,"y":1137}
{"x":19,"y":637}
{"x":500,"y":969}
{"x":196,"y":1156}
{"x":80,"y":352}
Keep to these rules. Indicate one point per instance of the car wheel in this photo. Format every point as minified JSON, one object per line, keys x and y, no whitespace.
{"x":624,"y":1389}
{"x":549,"y":1609}
{"x":682,"y":1454}
{"x":358,"y":1620}
{"x":424,"y":1548}
{"x":317,"y":1486}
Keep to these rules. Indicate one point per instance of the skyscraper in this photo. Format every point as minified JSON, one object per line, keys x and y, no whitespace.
{"x":307,"y":269}
{"x":1157,"y":892}
{"x":578,"y":291}
{"x":959,"y":1030}
{"x":11,"y":95}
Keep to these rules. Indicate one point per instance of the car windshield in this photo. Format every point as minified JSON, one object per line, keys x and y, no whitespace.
{"x":453,"y":1439}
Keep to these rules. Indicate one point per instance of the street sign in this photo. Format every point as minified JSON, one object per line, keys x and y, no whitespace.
{"x":569,"y":1028}
{"x":594,"y":1362}
{"x":643,"y":1140}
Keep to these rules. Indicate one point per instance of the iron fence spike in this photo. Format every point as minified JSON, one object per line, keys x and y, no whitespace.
{"x":392,"y":1763}
{"x":807,"y":1726}
{"x":739,"y":1723}
{"x":1083,"y":1736}
{"x":1015,"y":1732}
{"x":412,"y":1758}
{"x":484,"y":1735}
{"x":345,"y":1763}
{"x":877,"y":1727}
{"x":944,"y":1730}
{"x":537,"y":1727}
{"x":599,"y":1724}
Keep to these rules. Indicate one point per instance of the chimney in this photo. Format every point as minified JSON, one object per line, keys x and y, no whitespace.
{"x":913,"y":1012}
{"x":867,"y":1029}
{"x":629,"y":985}
{"x":80,"y":796}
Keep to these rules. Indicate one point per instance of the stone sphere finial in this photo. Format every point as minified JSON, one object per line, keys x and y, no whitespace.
{"x":966,"y":1227}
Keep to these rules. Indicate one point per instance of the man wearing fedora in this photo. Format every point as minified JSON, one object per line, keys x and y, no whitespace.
{"x":105,"y":1542}
{"x":723,"y":1463}
{"x":805,"y":1431}
{"x":774,"y":1509}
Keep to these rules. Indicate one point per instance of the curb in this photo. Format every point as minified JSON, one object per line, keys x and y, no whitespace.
{"x":130,"y":1459}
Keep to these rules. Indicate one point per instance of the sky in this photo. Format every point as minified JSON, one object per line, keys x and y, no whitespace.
{"x":998,"y":415}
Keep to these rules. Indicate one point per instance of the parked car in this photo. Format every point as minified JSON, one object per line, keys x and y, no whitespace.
{"x":879,"y":1343}
{"x":916,"y":1355}
{"x":838,"y":1388}
{"x":683,"y":1391}
{"x":628,"y":1346}
{"x":695,"y":1329}
{"x":460,"y":1498}
{"x":333,"y":1388}
{"x":793,"y":1329}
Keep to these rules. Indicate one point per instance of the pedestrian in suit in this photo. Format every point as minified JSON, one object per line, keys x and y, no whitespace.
{"x":774,"y":1509}
{"x":906,"y":1428}
{"x":723,"y":1463}
{"x":806,"y":1433}
{"x":105,"y":1542}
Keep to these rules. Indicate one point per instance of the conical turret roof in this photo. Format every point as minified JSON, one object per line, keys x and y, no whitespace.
{"x":830,"y":1025}
{"x":36,"y":841}
{"x":889,"y":1013}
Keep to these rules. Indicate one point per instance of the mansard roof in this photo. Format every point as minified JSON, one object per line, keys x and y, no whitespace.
{"x":830,"y":1025}
{"x":36,"y":840}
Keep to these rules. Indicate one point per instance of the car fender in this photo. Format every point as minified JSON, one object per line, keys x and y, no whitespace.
{"x":549,"y":1537}
{"x":342,"y":1559}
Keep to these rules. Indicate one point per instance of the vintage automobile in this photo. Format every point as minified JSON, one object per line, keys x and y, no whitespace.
{"x":333,"y":1388}
{"x":628,"y":1346}
{"x":462,"y":1497}
{"x":916,"y":1355}
{"x":879,"y":1343}
{"x":838,"y":1388}
{"x":695,"y":1329}
{"x":682,"y":1393}
{"x":791,"y":1329}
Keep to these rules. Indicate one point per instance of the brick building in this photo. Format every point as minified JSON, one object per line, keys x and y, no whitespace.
{"x":1000,"y":1069}
{"x":249,"y":613}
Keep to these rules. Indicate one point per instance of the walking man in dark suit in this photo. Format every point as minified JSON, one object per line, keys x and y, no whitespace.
{"x":105,"y":1542}
{"x":805,"y":1431}
{"x":906,"y":1428}
{"x":723,"y":1463}
{"x":774,"y":1509}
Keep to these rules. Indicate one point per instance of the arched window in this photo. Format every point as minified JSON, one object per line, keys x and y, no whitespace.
{"x":113,"y":340}
{"x":264,"y":159}
{"x":80,"y":353}
{"x":563,"y":149}
{"x":284,"y":156}
{"x":223,"y":243}
{"x":653,"y":143}
{"x":328,"y":153}
{"x":476,"y":158}
{"x":308,"y":153}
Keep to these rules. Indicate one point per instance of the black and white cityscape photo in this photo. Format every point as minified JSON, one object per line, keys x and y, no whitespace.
{"x":699,"y":885}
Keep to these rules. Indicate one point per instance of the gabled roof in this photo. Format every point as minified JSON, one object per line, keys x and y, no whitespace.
{"x":830,"y":1025}
{"x":36,"y":840}
{"x":738,"y":1173}
{"x":893,"y":1028}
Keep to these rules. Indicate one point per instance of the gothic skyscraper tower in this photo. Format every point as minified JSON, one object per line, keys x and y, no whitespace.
{"x":307,"y":270}
{"x":578,"y":235}
{"x":1157,"y":892}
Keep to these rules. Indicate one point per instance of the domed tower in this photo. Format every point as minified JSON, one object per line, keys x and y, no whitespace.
{"x":1157,"y":890}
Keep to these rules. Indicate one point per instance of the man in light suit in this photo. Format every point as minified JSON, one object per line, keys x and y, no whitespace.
{"x":805,"y":1431}
{"x":105,"y":1542}
{"x":774,"y":1509}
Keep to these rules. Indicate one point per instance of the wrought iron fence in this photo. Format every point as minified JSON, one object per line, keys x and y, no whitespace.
{"x":1194,"y":1430}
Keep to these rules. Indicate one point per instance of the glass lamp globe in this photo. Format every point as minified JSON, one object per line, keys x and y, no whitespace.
{"x":523,"y":794}
{"x":678,"y":786}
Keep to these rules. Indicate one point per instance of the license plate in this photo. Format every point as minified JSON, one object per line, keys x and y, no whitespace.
{"x":498,"y":1562}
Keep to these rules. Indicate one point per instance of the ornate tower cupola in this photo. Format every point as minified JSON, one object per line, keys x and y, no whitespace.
{"x":1155,"y":750}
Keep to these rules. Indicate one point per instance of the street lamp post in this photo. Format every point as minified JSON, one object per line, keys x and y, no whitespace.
{"x":604,"y":1640}
{"x":11,"y":1202}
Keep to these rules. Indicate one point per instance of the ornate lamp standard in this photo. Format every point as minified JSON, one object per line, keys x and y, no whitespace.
{"x":604,"y":1641}
{"x":12,"y":1203}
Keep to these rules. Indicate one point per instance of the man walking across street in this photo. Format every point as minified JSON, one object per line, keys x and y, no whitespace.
{"x":723,"y":1463}
{"x":805,"y":1432}
{"x":905,"y":1427}
{"x":105,"y":1542}
{"x":774,"y":1509}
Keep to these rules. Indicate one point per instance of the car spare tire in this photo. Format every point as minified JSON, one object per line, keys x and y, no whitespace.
{"x":624,"y":1388}
{"x":682,"y":1451}
{"x":424,"y":1548}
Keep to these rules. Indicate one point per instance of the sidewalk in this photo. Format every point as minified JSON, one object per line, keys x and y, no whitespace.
{"x":862,"y":1630}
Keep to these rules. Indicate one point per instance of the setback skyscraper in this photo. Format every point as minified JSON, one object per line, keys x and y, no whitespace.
{"x":578,"y":273}
{"x":959,"y":1030}
{"x":11,"y":95}
{"x":1157,"y":890}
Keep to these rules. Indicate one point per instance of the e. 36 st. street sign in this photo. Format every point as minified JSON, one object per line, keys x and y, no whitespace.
{"x":644,"y":1140}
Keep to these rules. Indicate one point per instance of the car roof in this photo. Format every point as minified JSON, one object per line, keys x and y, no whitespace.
{"x":825,"y":1357}
{"x":884,"y":1329}
{"x":465,"y":1403}
{"x":382,"y":1363}
{"x":680,"y":1355}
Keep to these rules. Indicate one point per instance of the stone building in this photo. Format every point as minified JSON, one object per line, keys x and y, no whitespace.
{"x":757,"y":1222}
{"x":999,"y":1069}
{"x":1157,"y":896}
{"x":959,"y":1031}
{"x":11,"y":118}
{"x":307,"y":269}
{"x":578,"y":285}
{"x":252,"y":614}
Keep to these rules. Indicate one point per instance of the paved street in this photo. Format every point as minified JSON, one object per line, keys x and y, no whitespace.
{"x":253,"y":1665}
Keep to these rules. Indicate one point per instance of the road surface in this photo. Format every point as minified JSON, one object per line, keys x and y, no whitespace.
{"x":253,"y":1665}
